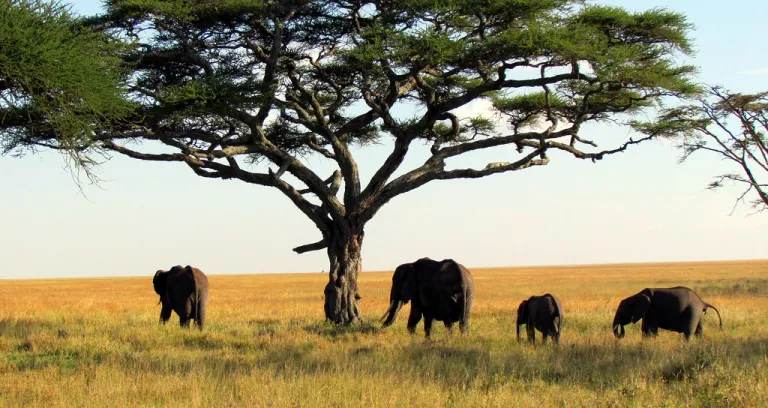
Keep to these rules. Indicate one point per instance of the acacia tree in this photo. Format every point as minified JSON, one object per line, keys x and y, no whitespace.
{"x":729,"y":125}
{"x":246,"y":90}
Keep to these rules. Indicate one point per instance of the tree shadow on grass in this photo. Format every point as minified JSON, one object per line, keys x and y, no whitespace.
{"x":727,"y":287}
{"x":330,"y":330}
{"x":594,"y":366}
{"x":21,"y":328}
{"x":468,"y":363}
{"x":453,"y":361}
{"x":743,"y":353}
{"x":287,"y":360}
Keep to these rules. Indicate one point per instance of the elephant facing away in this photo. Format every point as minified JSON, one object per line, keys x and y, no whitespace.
{"x":185,"y":291}
{"x":542,"y":313}
{"x":438,"y":290}
{"x":677,"y":309}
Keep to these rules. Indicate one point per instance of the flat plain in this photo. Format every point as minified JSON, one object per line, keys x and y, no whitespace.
{"x":97,"y":342}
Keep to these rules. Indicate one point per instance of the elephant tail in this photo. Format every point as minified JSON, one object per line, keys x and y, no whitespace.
{"x":707,"y":305}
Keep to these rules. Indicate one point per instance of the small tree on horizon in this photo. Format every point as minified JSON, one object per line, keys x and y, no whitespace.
{"x":729,"y":125}
{"x":247,"y":90}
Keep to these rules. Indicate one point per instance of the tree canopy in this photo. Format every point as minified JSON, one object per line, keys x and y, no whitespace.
{"x":59,"y":80}
{"x":246,"y":90}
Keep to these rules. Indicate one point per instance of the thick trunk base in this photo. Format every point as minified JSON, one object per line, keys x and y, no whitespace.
{"x":341,"y":295}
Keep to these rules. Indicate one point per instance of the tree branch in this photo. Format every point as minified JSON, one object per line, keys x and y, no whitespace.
{"x":316,"y":246}
{"x":269,"y":83}
{"x":433,"y":170}
{"x":342,"y":155}
{"x":212,"y":169}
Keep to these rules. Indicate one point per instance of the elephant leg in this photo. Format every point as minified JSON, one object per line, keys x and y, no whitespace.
{"x":463,"y":326}
{"x":200,"y":314}
{"x":188,"y":313}
{"x":699,"y":330}
{"x":649,"y":328}
{"x":448,"y":325}
{"x":427,"y":324}
{"x":413,"y":319}
{"x":556,"y":337}
{"x":691,"y":323}
{"x":688,"y":333}
{"x":165,"y":313}
{"x":544,"y":337}
{"x":466,"y":306}
{"x":531,"y":332}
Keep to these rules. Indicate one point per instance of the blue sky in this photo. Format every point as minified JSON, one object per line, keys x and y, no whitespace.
{"x":641,"y":206}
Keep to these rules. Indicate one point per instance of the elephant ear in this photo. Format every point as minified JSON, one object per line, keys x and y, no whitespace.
{"x":409,"y":286}
{"x":522,"y":312}
{"x":159,"y":281}
{"x":640,"y":306}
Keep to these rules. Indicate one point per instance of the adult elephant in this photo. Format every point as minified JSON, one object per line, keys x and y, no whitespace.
{"x":438,"y":290}
{"x":542,"y":313}
{"x":677,"y":309}
{"x":185,"y":291}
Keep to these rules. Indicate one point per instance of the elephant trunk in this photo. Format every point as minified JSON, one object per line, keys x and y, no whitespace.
{"x":518,"y":331}
{"x":391,"y":313}
{"x":618,"y":330}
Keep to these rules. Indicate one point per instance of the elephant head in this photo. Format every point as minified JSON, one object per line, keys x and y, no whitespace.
{"x":404,"y":289}
{"x":522,"y":316}
{"x":160,"y":281}
{"x":630,"y":310}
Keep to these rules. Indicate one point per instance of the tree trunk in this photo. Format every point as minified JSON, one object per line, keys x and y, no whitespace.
{"x":341,"y":296}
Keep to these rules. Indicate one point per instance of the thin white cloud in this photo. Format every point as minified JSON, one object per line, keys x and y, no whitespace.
{"x":759,"y":71}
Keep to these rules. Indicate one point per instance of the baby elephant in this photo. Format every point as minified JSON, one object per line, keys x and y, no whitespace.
{"x":185,"y":291}
{"x":542,"y":313}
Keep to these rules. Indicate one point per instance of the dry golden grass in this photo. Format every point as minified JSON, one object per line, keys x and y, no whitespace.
{"x":96,"y":342}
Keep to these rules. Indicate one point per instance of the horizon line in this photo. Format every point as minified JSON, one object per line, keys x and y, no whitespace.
{"x":606,"y":264}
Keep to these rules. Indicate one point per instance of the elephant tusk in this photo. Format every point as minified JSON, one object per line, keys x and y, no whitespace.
{"x":384,"y":316}
{"x":389,"y":317}
{"x":389,"y":309}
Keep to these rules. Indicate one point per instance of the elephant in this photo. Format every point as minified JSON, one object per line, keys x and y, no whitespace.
{"x":677,"y":309}
{"x":542,"y":313}
{"x":438,"y":290}
{"x":185,"y":291}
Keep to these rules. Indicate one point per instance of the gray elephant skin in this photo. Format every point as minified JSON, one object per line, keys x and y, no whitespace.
{"x":185,"y":291}
{"x":677,"y":309}
{"x":542,"y":313}
{"x":438,"y":290}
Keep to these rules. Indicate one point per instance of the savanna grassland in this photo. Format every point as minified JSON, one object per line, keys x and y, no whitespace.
{"x":96,"y":342}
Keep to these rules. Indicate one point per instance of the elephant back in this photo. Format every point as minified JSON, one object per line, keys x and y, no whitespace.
{"x":180,"y":283}
{"x":201,"y":281}
{"x":452,"y":282}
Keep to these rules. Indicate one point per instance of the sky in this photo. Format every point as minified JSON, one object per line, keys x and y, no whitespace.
{"x":639,"y":206}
